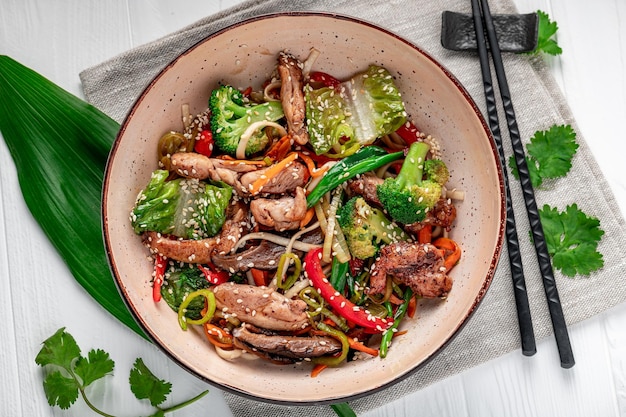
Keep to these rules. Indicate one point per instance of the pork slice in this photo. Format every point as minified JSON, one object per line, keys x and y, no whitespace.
{"x":286,"y":181}
{"x":283,"y":213}
{"x":419,"y":266}
{"x":261,"y":306}
{"x":292,"y":96}
{"x":295,"y":347}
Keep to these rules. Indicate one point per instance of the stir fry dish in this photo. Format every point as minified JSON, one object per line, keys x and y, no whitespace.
{"x":301,"y":222}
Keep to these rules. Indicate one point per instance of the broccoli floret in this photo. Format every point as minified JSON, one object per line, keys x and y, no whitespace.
{"x":366,"y":228}
{"x":358,"y":111}
{"x":230,"y":118}
{"x":408,"y":197}
{"x":437,"y":171}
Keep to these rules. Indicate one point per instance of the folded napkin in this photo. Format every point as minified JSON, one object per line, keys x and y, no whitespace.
{"x":113,"y":86}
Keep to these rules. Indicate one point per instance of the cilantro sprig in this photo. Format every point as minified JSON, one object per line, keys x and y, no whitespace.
{"x":69,"y":374}
{"x":546,"y":30}
{"x":549,"y":154}
{"x":572,"y":238}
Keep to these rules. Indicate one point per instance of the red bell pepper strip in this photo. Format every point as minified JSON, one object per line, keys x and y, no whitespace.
{"x":160,"y":263}
{"x":214,"y":276}
{"x":325,"y":79}
{"x":204,"y":143}
{"x":408,"y":132}
{"x":339,"y":303}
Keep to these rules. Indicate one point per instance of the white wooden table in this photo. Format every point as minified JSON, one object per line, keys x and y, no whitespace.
{"x":39,"y":295}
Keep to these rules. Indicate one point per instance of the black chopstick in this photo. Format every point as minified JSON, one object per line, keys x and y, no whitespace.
{"x":554,"y":304}
{"x":524,"y":318}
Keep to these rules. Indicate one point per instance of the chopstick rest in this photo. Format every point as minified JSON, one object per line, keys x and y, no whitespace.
{"x":516,"y":32}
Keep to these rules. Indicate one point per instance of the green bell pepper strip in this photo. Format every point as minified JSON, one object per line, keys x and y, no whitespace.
{"x":316,"y":302}
{"x":345,"y":346}
{"x":340,"y":304}
{"x":364,"y":160}
{"x":211,"y":306}
{"x":281,"y":272}
{"x":398,"y":317}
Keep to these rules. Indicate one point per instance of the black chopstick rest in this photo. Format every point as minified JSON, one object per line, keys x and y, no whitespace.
{"x":516,"y":32}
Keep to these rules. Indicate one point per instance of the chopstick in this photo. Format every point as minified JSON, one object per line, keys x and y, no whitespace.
{"x":554,"y":303}
{"x":524,"y":318}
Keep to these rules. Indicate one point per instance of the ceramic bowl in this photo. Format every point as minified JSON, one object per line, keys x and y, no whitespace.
{"x":245,"y":54}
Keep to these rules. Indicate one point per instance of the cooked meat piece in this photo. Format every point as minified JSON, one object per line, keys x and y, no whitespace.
{"x":282,"y":213}
{"x":365,"y":186}
{"x":293,"y":347}
{"x":287,"y":180}
{"x":442,"y":214}
{"x":420,"y":266}
{"x":235,"y":165}
{"x":234,"y":227}
{"x":265,"y":256}
{"x":195,"y":165}
{"x":261,"y":306}
{"x":292,"y":96}
{"x":192,"y":165}
{"x":184,"y":250}
{"x":200,"y":251}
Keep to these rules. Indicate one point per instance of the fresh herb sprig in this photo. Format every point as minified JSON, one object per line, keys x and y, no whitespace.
{"x":549,"y":154}
{"x":69,"y":374}
{"x":572,"y":238}
{"x":545,"y":42}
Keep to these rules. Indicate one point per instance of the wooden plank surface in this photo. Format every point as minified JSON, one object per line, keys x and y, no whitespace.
{"x":39,"y":295}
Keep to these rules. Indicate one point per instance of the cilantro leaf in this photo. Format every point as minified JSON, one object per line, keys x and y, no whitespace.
{"x":572,"y":239}
{"x":549,"y":154}
{"x":97,"y":365}
{"x":144,"y":384}
{"x":60,"y":390}
{"x":69,"y":373}
{"x":59,"y":349}
{"x":546,"y":30}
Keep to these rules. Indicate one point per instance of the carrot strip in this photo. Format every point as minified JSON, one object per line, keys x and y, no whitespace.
{"x":356,"y":345}
{"x":449,"y":245}
{"x":425,"y":234}
{"x":307,"y":217}
{"x":412,"y":307}
{"x":259,"y":277}
{"x":216,"y":331}
{"x":229,"y":160}
{"x":394,"y":299}
{"x":279,"y":149}
{"x":317,"y":369}
{"x":215,"y":342}
{"x":315,"y":172}
{"x":271,"y":172}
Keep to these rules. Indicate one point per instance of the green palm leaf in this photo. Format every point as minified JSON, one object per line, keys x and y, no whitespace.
{"x":60,"y":145}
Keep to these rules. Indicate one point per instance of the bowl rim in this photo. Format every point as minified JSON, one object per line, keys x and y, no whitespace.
{"x":468,"y":314}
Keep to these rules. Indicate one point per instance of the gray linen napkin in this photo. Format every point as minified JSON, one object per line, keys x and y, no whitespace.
{"x":113,"y":86}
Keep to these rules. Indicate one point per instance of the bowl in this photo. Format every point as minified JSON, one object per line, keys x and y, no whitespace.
{"x":245,"y":54}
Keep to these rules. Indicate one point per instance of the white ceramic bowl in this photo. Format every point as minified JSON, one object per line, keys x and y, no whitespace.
{"x":245,"y":54}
